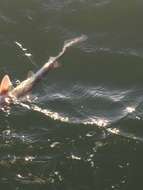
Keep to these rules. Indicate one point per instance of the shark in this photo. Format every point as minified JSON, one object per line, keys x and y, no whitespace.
{"x":8,"y":93}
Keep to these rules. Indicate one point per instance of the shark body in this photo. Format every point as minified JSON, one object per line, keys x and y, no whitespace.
{"x":7,"y":95}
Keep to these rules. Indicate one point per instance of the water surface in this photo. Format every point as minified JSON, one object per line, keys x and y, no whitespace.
{"x":82,"y":128}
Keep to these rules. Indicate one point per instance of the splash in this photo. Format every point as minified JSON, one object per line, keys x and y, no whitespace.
{"x":130,"y":109}
{"x":121,"y":133}
{"x":97,"y":122}
{"x":100,"y":122}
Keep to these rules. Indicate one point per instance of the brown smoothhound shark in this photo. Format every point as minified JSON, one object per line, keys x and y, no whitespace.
{"x":8,"y":95}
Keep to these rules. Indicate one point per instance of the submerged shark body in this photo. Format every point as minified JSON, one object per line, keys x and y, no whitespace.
{"x":7,"y":95}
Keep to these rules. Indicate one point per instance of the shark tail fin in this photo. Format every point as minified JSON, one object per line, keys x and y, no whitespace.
{"x":5,"y":85}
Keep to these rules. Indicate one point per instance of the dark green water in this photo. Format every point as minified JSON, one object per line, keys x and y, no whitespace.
{"x":98,"y":92}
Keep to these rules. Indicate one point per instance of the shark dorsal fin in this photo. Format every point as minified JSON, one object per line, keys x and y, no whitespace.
{"x":30,"y":74}
{"x":5,"y":84}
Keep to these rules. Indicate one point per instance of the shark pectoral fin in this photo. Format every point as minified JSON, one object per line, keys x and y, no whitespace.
{"x":5,"y":85}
